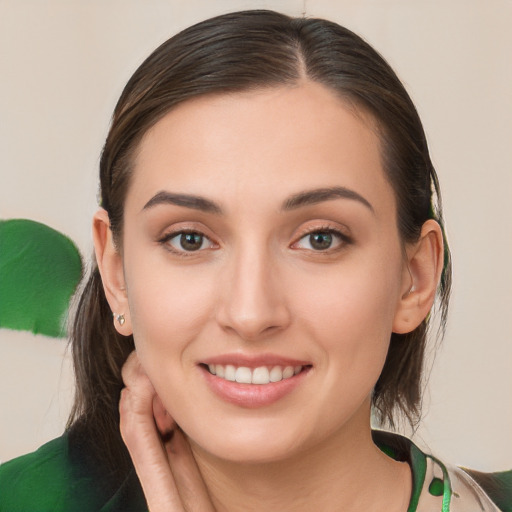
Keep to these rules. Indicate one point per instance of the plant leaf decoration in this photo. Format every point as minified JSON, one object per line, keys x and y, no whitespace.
{"x":40,"y":269}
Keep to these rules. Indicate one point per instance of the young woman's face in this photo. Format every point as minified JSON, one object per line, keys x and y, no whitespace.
{"x":260,"y":243}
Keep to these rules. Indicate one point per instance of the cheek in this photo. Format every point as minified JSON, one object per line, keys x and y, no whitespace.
{"x":358,"y":297}
{"x":168,"y":314}
{"x":349,"y":311}
{"x":350,"y":320}
{"x":168,"y":309}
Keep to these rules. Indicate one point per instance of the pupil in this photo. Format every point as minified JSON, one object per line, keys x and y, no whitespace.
{"x":320,"y":240}
{"x":191,"y":241}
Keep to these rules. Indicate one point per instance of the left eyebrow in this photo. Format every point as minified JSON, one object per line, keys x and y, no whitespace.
{"x":319,"y":195}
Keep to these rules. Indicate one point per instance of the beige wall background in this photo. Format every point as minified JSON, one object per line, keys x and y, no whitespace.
{"x":63,"y":64}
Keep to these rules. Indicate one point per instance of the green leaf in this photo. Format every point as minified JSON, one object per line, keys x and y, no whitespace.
{"x":40,"y":269}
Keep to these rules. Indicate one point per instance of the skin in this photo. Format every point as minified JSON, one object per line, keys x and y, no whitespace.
{"x":257,"y":286}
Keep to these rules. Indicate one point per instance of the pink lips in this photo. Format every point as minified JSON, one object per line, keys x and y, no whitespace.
{"x":253,"y":395}
{"x":254,"y":361}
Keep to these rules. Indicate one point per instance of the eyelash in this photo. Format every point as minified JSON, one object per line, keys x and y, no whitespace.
{"x":166,"y":239}
{"x":343,"y":240}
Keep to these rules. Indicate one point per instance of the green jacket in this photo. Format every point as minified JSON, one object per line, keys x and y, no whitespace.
{"x":56,"y":478}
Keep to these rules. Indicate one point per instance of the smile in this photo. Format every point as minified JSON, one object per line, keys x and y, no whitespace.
{"x":260,"y":375}
{"x":253,"y":381}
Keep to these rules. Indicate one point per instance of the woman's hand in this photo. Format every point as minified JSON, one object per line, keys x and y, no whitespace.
{"x":160,"y":453}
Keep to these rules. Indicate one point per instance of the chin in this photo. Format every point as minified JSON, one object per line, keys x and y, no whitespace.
{"x":255,"y":445}
{"x":249,"y":453}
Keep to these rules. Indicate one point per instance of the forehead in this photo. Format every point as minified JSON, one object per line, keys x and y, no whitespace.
{"x":274,"y":142}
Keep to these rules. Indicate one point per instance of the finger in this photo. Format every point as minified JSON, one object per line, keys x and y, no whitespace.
{"x":130,"y":367}
{"x":136,"y":380}
{"x":133,"y":375}
{"x":149,"y":458}
{"x":143,"y":441}
{"x":163,"y":419}
{"x":189,"y":482}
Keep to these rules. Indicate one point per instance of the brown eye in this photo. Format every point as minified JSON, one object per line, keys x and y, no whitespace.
{"x":188,"y":241}
{"x":322,"y":240}
{"x":191,"y":241}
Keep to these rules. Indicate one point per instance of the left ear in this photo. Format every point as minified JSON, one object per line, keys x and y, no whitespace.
{"x":420,"y":278}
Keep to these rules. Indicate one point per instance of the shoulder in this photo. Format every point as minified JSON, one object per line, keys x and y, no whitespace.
{"x":498,"y":486}
{"x":35,"y":480}
{"x":53,"y":479}
{"x":440,"y":486}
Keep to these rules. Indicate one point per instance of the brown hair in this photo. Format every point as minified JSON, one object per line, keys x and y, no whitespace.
{"x":237,"y":52}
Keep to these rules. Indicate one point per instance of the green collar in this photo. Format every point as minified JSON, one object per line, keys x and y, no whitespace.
{"x":404,"y":450}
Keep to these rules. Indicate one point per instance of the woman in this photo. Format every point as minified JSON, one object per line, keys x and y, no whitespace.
{"x":270,"y":242}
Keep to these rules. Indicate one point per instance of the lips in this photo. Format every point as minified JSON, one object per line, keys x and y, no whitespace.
{"x":253,"y":381}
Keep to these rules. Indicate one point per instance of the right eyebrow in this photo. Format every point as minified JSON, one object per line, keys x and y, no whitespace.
{"x":186,"y":200}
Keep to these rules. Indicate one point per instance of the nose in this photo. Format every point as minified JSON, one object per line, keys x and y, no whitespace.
{"x":253,"y":301}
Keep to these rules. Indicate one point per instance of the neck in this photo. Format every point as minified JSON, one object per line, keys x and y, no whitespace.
{"x":344,"y":472}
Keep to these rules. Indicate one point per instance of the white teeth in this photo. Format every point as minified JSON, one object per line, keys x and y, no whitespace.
{"x":229,"y":374}
{"x":259,"y":375}
{"x":288,"y":372}
{"x":243,"y":375}
{"x":276,"y":374}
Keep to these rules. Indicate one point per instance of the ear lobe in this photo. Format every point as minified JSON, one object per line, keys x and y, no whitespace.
{"x":110,"y":265}
{"x":421,"y":278}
